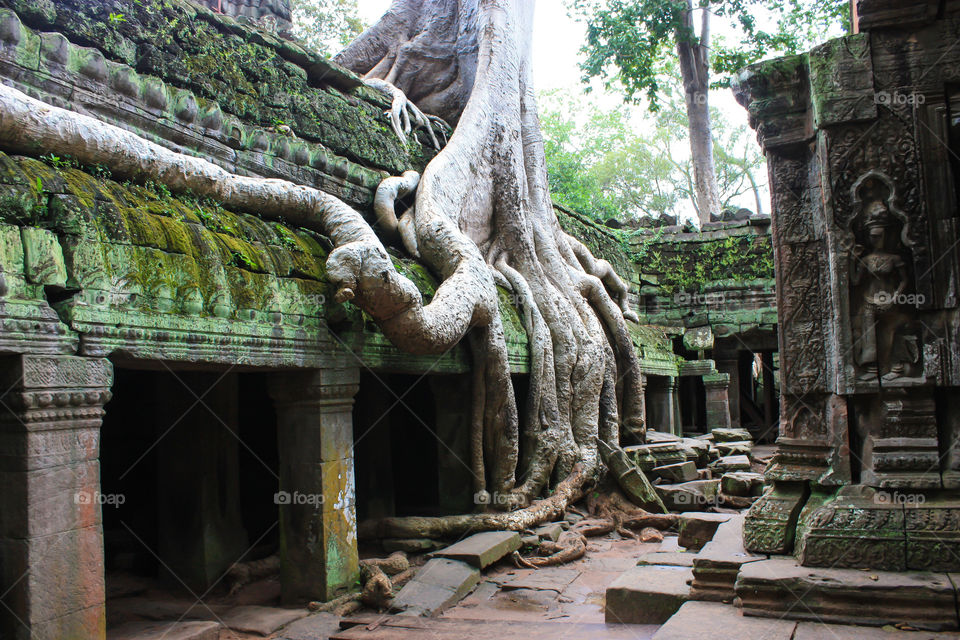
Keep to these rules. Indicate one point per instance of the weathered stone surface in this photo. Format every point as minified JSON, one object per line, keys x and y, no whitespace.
{"x":648,"y":456}
{"x":780,"y":587}
{"x":667,"y":558}
{"x":741,"y":483}
{"x":697,"y":529}
{"x":739,"y":448}
{"x":550,"y":531}
{"x":732,"y":463}
{"x":191,"y":630}
{"x":819,"y":631}
{"x":697,"y":495}
{"x":313,"y":627}
{"x":438,"y":585}
{"x":550,"y":578}
{"x":679,"y":472}
{"x":261,"y":620}
{"x":731,"y":435}
{"x":647,"y":595}
{"x":717,"y":565}
{"x":721,"y":622}
{"x":482,"y":549}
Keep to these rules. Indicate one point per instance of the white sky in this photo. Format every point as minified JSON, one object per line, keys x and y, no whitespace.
{"x":557,"y":40}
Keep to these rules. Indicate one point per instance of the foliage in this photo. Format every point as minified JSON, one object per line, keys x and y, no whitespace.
{"x":326,"y":25}
{"x":630,"y":42}
{"x":607,"y":167}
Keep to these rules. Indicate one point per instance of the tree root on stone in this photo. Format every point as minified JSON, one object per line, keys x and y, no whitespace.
{"x":405,"y":115}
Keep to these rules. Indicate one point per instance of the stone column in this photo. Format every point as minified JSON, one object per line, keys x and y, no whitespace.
{"x":51,"y":532}
{"x":770,"y":409}
{"x":731,"y":367}
{"x":318,"y":522}
{"x":677,"y":427}
{"x":662,"y":405}
{"x":717,"y":386}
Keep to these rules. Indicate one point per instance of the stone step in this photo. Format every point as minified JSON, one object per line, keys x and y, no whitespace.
{"x":667,"y":558}
{"x":261,"y":620}
{"x":192,"y":630}
{"x":376,"y":627}
{"x":697,"y":529}
{"x":482,"y":549}
{"x":440,"y":584}
{"x":779,"y":587}
{"x":647,"y":595}
{"x":716,"y":566}
{"x":716,"y":621}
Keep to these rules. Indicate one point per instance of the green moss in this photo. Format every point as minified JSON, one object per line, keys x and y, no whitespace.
{"x":244,"y":71}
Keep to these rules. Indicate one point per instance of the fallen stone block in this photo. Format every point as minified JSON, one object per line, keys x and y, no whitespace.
{"x":731,"y":435}
{"x":701,"y":449}
{"x":440,"y":584}
{"x":819,"y":631}
{"x":697,"y":529}
{"x":631,"y":479}
{"x":716,"y":566}
{"x":741,"y":483}
{"x":731,"y":463}
{"x":261,"y":620}
{"x":647,"y":595}
{"x":781,"y":588}
{"x":648,"y":456}
{"x":482,"y":549}
{"x":192,"y":630}
{"x":667,"y":558}
{"x":721,"y":622}
{"x":735,"y":448}
{"x":679,"y":472}
{"x":654,"y":436}
{"x":550,"y":531}
{"x":697,"y":495}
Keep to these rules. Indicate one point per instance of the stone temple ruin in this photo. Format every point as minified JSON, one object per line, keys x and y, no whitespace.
{"x":182,"y":395}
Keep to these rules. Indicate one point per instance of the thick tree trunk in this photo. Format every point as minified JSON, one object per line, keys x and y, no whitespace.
{"x":693,"y":53}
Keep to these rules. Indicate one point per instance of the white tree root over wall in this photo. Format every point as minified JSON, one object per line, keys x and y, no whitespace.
{"x":482,"y":215}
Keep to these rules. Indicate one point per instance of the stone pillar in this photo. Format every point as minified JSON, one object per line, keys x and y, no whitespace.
{"x":318,"y":522}
{"x":200,"y":528}
{"x":662,"y":406}
{"x":731,"y":367}
{"x":677,"y":427}
{"x":770,"y":411}
{"x":51,"y":533}
{"x":717,"y":386}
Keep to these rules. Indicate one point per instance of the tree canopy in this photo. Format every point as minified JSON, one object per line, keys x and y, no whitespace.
{"x":630,"y":41}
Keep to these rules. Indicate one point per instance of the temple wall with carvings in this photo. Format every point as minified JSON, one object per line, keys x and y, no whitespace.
{"x":860,"y":137}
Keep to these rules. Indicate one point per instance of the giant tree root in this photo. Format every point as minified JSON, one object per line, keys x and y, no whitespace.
{"x":541,"y":511}
{"x":570,"y":546}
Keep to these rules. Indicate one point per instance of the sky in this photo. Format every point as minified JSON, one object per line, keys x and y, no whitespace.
{"x":557,"y":39}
